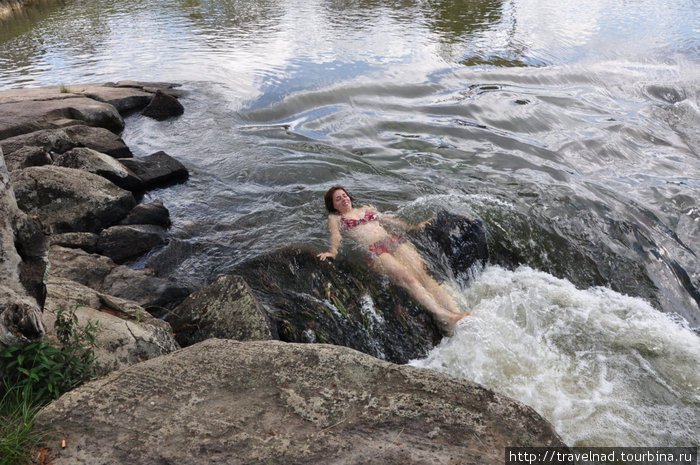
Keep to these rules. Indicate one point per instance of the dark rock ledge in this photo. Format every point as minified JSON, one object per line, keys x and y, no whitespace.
{"x":69,"y":224}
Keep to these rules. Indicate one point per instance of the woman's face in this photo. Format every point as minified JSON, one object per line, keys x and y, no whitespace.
{"x":341,"y":201}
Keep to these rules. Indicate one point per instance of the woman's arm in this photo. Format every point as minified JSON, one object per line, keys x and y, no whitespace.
{"x":387,"y":219}
{"x":336,"y":238}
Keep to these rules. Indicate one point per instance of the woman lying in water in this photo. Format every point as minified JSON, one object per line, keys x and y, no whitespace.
{"x":388,"y":254}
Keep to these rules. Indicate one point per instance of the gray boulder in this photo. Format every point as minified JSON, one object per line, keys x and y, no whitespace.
{"x":123,"y":242}
{"x":157,"y":170}
{"x":51,"y":140}
{"x":76,"y":240}
{"x":27,"y":156}
{"x":149,"y":213}
{"x":21,"y":117}
{"x":67,"y":199}
{"x":126,"y":335}
{"x":163,"y":106}
{"x":268,"y":402}
{"x":99,"y":139}
{"x":83,"y":158}
{"x":98,"y":272}
{"x":22,"y":266}
{"x":224,"y":309}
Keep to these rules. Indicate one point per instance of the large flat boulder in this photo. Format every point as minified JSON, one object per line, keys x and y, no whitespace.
{"x":66,"y":199}
{"x":267,"y":402}
{"x":127,"y":334}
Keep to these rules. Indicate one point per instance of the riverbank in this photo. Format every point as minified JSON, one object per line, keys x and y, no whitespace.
{"x":8,"y":8}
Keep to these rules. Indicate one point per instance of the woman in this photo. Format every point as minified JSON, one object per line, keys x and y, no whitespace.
{"x":387,"y":253}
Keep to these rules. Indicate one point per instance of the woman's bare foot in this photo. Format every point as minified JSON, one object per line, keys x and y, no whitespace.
{"x":448,"y":321}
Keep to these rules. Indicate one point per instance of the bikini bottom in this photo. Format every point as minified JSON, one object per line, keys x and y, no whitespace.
{"x":388,"y":245}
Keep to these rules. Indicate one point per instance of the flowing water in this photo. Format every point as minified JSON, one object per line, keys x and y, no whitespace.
{"x":570,"y":128}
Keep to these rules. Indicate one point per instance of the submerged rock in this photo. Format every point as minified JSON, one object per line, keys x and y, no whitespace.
{"x":270,"y":402}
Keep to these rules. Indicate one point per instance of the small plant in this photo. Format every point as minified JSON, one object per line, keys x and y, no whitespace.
{"x":64,"y":89}
{"x":33,"y":375}
{"x":49,"y":371}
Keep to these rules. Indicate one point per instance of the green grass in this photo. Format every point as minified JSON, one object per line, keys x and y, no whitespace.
{"x":18,"y":438}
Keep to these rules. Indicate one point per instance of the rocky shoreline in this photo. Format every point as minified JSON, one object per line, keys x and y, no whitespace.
{"x":71,"y":221}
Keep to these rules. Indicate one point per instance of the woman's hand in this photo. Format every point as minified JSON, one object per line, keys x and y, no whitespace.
{"x":421,"y":225}
{"x":323,"y":256}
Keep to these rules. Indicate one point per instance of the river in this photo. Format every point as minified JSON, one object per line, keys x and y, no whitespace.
{"x":570,"y":128}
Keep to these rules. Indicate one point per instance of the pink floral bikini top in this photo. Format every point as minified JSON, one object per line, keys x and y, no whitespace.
{"x":348,"y":223}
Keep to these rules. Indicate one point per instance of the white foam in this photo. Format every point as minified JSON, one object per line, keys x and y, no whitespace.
{"x":604,"y":368}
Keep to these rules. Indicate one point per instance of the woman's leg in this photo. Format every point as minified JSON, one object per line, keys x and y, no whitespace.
{"x":410,"y":257}
{"x":400,"y":275}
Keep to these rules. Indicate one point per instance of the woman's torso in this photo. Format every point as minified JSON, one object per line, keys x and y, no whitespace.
{"x":363,"y":226}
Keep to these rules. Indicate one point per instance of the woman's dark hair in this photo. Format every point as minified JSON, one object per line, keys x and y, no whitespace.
{"x":328,"y":197}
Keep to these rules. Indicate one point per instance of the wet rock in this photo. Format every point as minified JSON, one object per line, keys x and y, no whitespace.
{"x":99,"y":139}
{"x":68,"y":200}
{"x":157,"y":170}
{"x":22,"y":265}
{"x":76,"y":240}
{"x":345,"y":303}
{"x":262,"y":402}
{"x":341,"y":303}
{"x":149,"y":213}
{"x":224,"y":309}
{"x":26,"y":116}
{"x":83,"y":158}
{"x":457,"y":241}
{"x":163,"y":106}
{"x":128,"y":241}
{"x":156,"y":295}
{"x":126,"y":333}
{"x":27,"y":156}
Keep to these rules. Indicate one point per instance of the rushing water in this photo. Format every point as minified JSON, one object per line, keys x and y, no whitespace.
{"x":570,"y":128}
